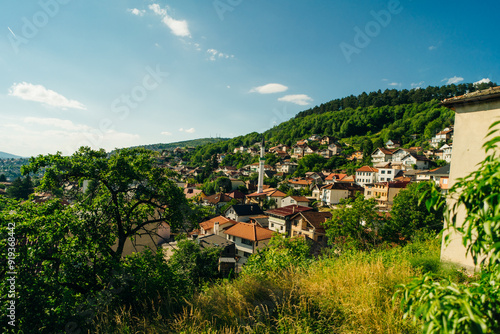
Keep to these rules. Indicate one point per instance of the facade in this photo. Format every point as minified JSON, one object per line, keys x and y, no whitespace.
{"x":382,"y":155}
{"x":310,"y":224}
{"x":279,"y":219}
{"x":331,"y":194}
{"x":248,"y":239}
{"x":297,"y":200}
{"x":242,"y":212}
{"x":366,"y":174}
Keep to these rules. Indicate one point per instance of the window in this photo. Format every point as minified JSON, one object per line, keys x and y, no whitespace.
{"x":272,"y":224}
{"x":389,"y":172}
{"x":382,"y":172}
{"x":382,"y":179}
{"x":246,"y":242}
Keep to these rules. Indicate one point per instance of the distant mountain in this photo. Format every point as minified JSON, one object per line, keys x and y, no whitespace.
{"x":185,"y":143}
{"x":4,"y":155}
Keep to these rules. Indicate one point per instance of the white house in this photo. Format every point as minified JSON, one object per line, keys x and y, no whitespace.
{"x":446,"y":149}
{"x":412,"y":160}
{"x":279,"y":219}
{"x":386,"y":173}
{"x":248,"y":239}
{"x":331,"y":194}
{"x":297,"y":200}
{"x":381,"y":155}
{"x":366,"y":174}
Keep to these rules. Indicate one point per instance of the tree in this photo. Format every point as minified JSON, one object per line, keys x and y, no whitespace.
{"x":367,"y":149}
{"x":21,"y":188}
{"x":354,"y":225}
{"x":3,"y":178}
{"x":409,"y":213}
{"x":195,"y":264}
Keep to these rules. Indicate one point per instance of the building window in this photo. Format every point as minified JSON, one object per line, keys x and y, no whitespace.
{"x":245,"y":254}
{"x":246,"y":242}
{"x":382,"y":172}
{"x":389,"y":172}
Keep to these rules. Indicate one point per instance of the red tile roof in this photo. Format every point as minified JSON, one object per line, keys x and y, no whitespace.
{"x":209,"y":224}
{"x":287,"y":210}
{"x":249,"y":232}
{"x":367,"y":169}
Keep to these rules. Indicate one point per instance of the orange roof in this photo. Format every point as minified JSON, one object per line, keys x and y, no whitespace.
{"x":367,"y":169}
{"x":306,"y":181}
{"x":335,"y":176}
{"x":249,"y":232}
{"x":300,"y":198}
{"x":209,"y":224}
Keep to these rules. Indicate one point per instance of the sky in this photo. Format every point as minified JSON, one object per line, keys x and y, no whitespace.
{"x":112,"y":74}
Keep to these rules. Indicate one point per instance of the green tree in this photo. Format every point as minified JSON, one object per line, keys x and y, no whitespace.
{"x":354,"y":225}
{"x":195,"y":264}
{"x":69,"y":255}
{"x":409,"y":213}
{"x":21,"y":188}
{"x":3,"y":178}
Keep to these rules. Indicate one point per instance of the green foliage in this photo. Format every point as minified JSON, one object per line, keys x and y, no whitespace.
{"x":354,"y":225}
{"x":21,"y":188}
{"x":195,"y":264}
{"x":281,"y":254}
{"x":3,"y":178}
{"x":221,"y":184}
{"x":447,"y":307}
{"x":409,"y":213}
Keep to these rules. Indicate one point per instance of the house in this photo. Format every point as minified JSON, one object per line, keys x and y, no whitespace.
{"x":335,"y":177}
{"x":384,"y":192}
{"x":242,"y":212}
{"x":301,"y":183}
{"x":440,"y":176}
{"x":217,"y":200}
{"x":237,"y":195}
{"x":446,"y":149}
{"x":314,"y":138}
{"x":316,"y":192}
{"x":279,"y":219}
{"x":192,"y":192}
{"x":399,"y":154}
{"x":317,"y":177}
{"x":298,"y":200}
{"x":207,"y":226}
{"x":382,"y":155}
{"x":326,"y":153}
{"x":441,"y":137}
{"x":392,"y":143}
{"x":358,"y":155}
{"x":386,"y":172}
{"x":260,"y":220}
{"x":254,"y":168}
{"x":271,"y":194}
{"x":414,"y":161}
{"x":335,"y":148}
{"x":366,"y":174}
{"x":332,"y":193}
{"x":310,"y":224}
{"x":248,"y":239}
{"x":287,"y":167}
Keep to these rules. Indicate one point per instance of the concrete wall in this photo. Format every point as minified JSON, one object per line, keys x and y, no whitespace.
{"x":471,"y":126}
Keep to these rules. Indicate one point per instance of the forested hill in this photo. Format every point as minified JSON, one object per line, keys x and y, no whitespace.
{"x":412,"y":117}
{"x":183,"y":144}
{"x":394,"y":97}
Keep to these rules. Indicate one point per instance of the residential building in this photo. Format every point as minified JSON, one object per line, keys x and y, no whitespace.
{"x":440,"y":176}
{"x":335,"y":177}
{"x":310,"y":224}
{"x":279,"y":219}
{"x":242,"y":212}
{"x":271,"y":194}
{"x":207,"y":226}
{"x":366,"y":174}
{"x":382,"y":155}
{"x":392,"y":143}
{"x":298,"y":200}
{"x":217,"y":200}
{"x":248,"y":239}
{"x":333,"y":193}
{"x":446,"y":149}
{"x":227,"y":258}
{"x":441,"y":137}
{"x":301,"y":183}
{"x":386,"y":173}
{"x":384,"y":192}
{"x":414,"y":161}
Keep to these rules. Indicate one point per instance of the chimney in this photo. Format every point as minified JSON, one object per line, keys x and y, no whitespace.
{"x":216,"y":228}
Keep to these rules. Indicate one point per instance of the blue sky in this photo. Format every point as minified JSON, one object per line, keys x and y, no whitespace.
{"x":115,"y":73}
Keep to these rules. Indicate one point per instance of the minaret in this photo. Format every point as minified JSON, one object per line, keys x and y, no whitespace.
{"x":262,"y":160}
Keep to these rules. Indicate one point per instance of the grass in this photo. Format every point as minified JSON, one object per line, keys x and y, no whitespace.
{"x":352,"y":293}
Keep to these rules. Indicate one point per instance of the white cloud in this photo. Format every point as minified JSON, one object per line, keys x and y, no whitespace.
{"x":432,"y":47}
{"x":30,"y":136}
{"x":166,"y":133}
{"x":395,"y":84}
{"x":453,"y":80}
{"x":484,"y":80}
{"x":177,"y":27}
{"x":191,"y":130}
{"x":300,"y":99}
{"x":214,"y":54}
{"x":39,"y":93}
{"x":269,"y":88}
{"x":135,"y":11}
{"x":417,"y":84}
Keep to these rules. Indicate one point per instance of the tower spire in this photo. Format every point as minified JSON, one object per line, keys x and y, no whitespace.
{"x":262,"y":160}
